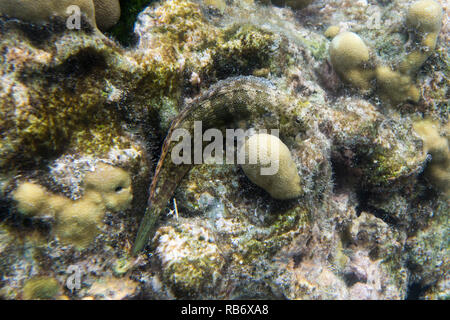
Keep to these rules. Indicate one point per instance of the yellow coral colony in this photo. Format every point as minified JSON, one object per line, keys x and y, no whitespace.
{"x":113,"y":184}
{"x":269,"y":151}
{"x":395,"y":86}
{"x":433,"y":143}
{"x":332,"y":31}
{"x":100,"y":13}
{"x":350,"y":57}
{"x":77,"y":222}
{"x":424,"y":20}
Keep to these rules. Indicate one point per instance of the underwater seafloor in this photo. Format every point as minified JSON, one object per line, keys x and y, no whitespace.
{"x":358,"y":90}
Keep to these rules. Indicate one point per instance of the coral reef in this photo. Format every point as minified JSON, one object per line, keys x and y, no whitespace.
{"x":87,"y":126}
{"x":350,"y":56}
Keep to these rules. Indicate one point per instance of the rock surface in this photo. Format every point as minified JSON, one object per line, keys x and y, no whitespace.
{"x":368,"y":225}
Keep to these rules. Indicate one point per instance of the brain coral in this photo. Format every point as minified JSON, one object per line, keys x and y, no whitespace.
{"x":101,"y":13}
{"x":77,"y":221}
{"x":349,"y":55}
{"x":271,"y":152}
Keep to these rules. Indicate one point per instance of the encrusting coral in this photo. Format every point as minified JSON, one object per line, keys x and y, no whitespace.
{"x":361,"y":229}
{"x":100,"y":13}
{"x":294,"y":4}
{"x":267,"y":152}
{"x":77,"y":222}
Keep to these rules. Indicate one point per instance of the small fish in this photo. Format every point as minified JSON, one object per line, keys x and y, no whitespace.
{"x":228,"y":103}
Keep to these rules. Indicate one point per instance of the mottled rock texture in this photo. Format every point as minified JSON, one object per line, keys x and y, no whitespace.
{"x":370,"y":223}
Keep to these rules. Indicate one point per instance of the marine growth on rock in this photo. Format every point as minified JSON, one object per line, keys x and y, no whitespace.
{"x":347,"y":102}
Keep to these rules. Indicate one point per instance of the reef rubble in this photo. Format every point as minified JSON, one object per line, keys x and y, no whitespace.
{"x":83,"y":120}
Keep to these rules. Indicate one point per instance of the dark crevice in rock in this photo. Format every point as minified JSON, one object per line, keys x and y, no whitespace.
{"x":416,"y":290}
{"x":377,"y":212}
{"x":345,"y":176}
{"x":123,"y":31}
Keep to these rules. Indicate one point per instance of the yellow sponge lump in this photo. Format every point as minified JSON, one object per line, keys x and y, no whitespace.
{"x":349,"y":57}
{"x":425,"y":16}
{"x":433,"y":143}
{"x":283,"y":182}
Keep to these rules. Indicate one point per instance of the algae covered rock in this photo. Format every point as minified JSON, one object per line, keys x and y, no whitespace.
{"x":83,"y":123}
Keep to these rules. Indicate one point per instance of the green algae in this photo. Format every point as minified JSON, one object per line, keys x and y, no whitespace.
{"x":244,"y":48}
{"x":40,"y":288}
